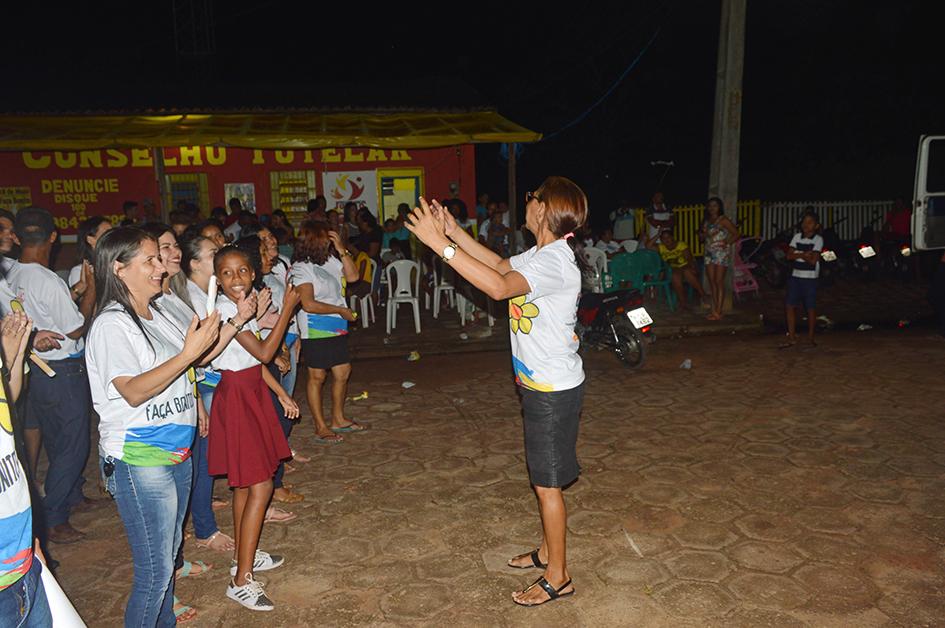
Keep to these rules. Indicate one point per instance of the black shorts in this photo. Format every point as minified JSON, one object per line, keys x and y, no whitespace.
{"x":551,"y":431}
{"x":324,"y":353}
{"x":801,"y":291}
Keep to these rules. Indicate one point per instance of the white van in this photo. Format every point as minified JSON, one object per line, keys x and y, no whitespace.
{"x":928,"y":213}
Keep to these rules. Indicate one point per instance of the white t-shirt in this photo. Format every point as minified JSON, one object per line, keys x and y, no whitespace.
{"x":624,"y":226}
{"x":160,"y":431}
{"x":207,"y":378}
{"x":662,"y":212}
{"x":234,"y":357}
{"x":16,"y":520}
{"x":6,"y":296}
{"x":6,"y":292}
{"x":541,"y":323}
{"x":173,"y":306}
{"x":232,"y":232}
{"x":75,"y":273}
{"x":276,"y":282}
{"x":328,"y":286}
{"x":47,"y":300}
{"x":802,"y":269}
{"x":608,"y":247}
{"x":198,"y":297}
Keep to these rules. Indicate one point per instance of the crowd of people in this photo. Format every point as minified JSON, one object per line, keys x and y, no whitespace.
{"x":717,"y":232}
{"x":185,"y":340}
{"x":187,"y":386}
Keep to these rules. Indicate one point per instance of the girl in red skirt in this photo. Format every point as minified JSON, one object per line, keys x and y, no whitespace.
{"x":246,"y":441}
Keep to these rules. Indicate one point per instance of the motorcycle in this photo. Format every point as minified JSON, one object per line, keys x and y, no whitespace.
{"x":616,"y":321}
{"x":772,"y":260}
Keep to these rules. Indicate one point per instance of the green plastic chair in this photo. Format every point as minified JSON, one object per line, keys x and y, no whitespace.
{"x":657,"y":274}
{"x":625,"y":271}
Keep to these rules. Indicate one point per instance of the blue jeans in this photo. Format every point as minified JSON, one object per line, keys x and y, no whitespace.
{"x":288,"y":380}
{"x":23,"y":603}
{"x":201,"y":500}
{"x":60,"y":404}
{"x":152,"y":502}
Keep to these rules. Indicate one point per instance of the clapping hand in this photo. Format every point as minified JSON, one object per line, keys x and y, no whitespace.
{"x":291,"y":298}
{"x":336,"y":241}
{"x":86,"y":279}
{"x":427,"y":224}
{"x":263,"y":300}
{"x":15,"y":334}
{"x":450,"y":226}
{"x":246,"y":307}
{"x":201,"y":335}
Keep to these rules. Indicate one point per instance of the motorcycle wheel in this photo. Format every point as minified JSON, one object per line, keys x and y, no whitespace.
{"x":629,"y":346}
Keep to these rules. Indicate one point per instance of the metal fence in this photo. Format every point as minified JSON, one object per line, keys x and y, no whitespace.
{"x":764,"y":219}
{"x":847,"y":217}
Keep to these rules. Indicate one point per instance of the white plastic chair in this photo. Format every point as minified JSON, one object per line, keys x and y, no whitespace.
{"x":461,"y":301}
{"x":403,"y":289}
{"x":440,"y":287}
{"x":594,"y":277}
{"x":383,"y":274}
{"x":367,"y":301}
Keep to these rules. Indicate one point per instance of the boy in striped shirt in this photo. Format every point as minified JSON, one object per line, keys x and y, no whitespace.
{"x":804,"y":256}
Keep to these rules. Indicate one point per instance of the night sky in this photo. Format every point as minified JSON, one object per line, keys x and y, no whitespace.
{"x":835,"y":93}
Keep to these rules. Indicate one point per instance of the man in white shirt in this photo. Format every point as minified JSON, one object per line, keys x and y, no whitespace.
{"x":59,"y":406}
{"x":607,"y":244}
{"x":658,"y":216}
{"x":624,"y":222}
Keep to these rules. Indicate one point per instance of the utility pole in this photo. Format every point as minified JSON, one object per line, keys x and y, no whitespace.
{"x":726,"y":127}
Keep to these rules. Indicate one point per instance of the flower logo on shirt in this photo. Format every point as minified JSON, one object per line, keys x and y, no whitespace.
{"x":521,"y":314}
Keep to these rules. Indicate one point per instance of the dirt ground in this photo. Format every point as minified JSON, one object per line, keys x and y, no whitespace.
{"x":759,"y":488}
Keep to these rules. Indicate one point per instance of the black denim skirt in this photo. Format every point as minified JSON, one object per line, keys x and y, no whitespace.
{"x":551,"y":431}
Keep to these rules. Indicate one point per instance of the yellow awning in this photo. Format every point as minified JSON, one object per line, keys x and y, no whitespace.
{"x":259,"y":130}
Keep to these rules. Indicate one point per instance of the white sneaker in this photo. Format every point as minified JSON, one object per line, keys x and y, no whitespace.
{"x":264,"y":561}
{"x":250,"y":595}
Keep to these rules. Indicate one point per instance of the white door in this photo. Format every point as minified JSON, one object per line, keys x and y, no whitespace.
{"x":928,"y":215}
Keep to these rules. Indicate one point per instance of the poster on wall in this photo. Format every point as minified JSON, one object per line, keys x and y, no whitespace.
{"x":246,"y":192}
{"x":358,"y":186}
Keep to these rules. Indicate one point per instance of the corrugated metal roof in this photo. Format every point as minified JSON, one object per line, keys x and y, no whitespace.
{"x":265,"y":130}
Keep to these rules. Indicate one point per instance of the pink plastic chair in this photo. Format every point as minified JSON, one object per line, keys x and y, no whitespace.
{"x":743,"y":280}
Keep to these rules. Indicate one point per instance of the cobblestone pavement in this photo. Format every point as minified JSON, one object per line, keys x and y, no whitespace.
{"x":759,"y":488}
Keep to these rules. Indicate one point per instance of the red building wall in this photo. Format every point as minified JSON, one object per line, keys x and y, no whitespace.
{"x":76,"y":185}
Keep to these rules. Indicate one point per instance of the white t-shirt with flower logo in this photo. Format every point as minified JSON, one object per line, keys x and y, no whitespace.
{"x":541,"y":323}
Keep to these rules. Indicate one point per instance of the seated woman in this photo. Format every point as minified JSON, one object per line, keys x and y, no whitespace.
{"x":679,"y":258}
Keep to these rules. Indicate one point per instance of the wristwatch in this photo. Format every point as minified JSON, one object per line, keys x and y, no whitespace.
{"x":449,"y":252}
{"x":238,"y":326}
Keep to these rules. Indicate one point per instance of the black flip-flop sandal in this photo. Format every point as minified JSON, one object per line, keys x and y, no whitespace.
{"x":536,"y":562}
{"x":553,"y":594}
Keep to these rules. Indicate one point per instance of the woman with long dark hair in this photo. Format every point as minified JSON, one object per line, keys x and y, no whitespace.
{"x":140,"y":367}
{"x":542,"y":285}
{"x":719,"y":234}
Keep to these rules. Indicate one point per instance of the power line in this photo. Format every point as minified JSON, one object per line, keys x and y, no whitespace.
{"x":616,"y":83}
